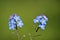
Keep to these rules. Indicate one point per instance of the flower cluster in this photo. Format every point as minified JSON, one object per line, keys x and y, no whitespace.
{"x":15,"y":21}
{"x":42,"y":19}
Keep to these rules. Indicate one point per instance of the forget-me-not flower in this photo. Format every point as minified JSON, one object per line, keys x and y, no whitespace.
{"x":42,"y":20}
{"x":15,"y":21}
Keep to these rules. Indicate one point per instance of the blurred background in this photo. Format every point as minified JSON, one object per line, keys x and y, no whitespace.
{"x":28,"y":10}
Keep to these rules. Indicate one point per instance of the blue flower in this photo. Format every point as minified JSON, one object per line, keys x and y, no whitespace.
{"x":15,"y":21}
{"x":42,"y":20}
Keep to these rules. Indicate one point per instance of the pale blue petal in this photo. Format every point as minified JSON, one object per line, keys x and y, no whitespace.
{"x":20,"y":24}
{"x":42,"y":27}
{"x":43,"y":21}
{"x":11,"y":28}
{"x":45,"y":18}
{"x":35,"y":21}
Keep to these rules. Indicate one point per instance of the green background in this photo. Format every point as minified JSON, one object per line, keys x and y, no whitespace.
{"x":28,"y":10}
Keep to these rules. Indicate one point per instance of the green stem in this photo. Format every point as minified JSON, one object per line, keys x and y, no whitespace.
{"x":17,"y":34}
{"x":37,"y":29}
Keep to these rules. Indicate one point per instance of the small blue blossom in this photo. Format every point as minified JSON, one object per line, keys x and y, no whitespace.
{"x":15,"y":21}
{"x":36,"y":21}
{"x":42,"y":20}
{"x":42,"y":27}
